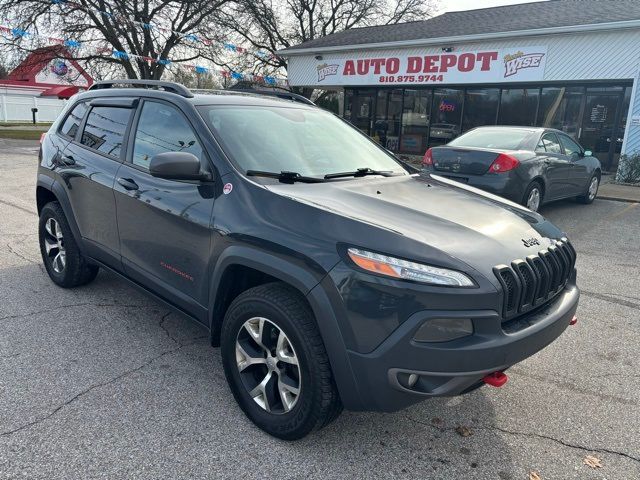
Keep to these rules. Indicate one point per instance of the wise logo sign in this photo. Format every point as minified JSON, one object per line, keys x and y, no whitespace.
{"x":515,"y":62}
{"x":325,"y":70}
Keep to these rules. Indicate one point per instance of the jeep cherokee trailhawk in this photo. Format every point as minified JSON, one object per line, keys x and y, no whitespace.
{"x":330,"y":275}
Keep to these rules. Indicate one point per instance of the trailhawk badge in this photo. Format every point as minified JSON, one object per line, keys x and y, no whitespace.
{"x":325,"y":70}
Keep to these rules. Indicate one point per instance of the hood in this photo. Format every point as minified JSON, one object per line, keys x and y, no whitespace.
{"x":472,"y":226}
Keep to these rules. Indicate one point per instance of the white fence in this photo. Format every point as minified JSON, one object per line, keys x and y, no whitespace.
{"x":17,"y":108}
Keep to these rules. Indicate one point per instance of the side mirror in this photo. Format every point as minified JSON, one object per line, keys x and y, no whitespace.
{"x":177,"y":166}
{"x":588,"y":153}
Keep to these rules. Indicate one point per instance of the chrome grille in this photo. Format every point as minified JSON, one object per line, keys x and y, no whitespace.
{"x":530,"y":282}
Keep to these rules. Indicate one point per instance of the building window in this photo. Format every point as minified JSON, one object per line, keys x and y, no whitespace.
{"x":386,"y":127}
{"x":415,"y":121}
{"x":446,"y":111}
{"x":560,"y":109}
{"x":518,"y":106}
{"x":480,"y":107}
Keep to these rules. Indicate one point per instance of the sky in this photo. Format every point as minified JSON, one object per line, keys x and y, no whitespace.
{"x":457,"y":5}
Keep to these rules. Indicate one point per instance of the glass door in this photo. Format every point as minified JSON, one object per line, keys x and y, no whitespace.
{"x":600,"y":126}
{"x":362,"y":110}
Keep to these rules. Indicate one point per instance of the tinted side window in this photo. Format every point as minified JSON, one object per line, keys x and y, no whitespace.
{"x":73,"y":120}
{"x":162,"y":128}
{"x":105,"y":128}
{"x":570,"y":147}
{"x":549,"y":142}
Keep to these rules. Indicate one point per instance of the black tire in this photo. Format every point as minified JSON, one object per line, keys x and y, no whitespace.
{"x":587,"y":198}
{"x":76,"y":270}
{"x":535,"y":185}
{"x":285,"y":309}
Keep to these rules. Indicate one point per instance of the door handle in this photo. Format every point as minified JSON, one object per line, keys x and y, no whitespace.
{"x":128,"y":184}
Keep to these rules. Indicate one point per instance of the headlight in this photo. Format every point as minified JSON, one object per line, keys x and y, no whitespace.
{"x":397,"y":268}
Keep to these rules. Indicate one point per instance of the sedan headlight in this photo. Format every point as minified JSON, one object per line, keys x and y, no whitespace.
{"x":403,"y":269}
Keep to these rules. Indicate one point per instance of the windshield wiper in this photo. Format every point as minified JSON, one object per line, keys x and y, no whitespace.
{"x":360,"y":172}
{"x":284,"y":176}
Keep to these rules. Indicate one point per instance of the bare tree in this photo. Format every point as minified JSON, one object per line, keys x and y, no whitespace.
{"x":154,"y":33}
{"x":272,"y":25}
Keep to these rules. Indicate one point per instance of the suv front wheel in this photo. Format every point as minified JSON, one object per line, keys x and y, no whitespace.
{"x":60,"y":253}
{"x":276,"y":364}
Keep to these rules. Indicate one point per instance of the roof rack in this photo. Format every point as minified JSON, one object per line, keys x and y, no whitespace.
{"x":284,"y":94}
{"x":151,"y":84}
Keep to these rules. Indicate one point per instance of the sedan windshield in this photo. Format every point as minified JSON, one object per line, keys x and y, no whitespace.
{"x":499,"y":138}
{"x":310,"y":142}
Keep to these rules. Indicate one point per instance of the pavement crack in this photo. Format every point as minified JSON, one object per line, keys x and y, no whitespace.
{"x":559,"y":441}
{"x":11,"y":204}
{"x":86,"y":391}
{"x":71,"y":305}
{"x":611,"y":299}
{"x":23,"y":257}
{"x":161,"y":325}
{"x":566,"y":385}
{"x":565,"y":443}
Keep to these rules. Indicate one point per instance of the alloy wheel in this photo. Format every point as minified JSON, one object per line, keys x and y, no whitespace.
{"x":593,"y":188}
{"x":268,"y":365}
{"x":533,"y":202}
{"x":54,"y":245}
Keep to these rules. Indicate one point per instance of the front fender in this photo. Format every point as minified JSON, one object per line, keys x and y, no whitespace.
{"x":321,"y":297}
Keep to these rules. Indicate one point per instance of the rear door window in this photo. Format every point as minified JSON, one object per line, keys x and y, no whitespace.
{"x":162,"y":128}
{"x":72,"y":123}
{"x":105,"y":129}
{"x":549,"y":143}
{"x":571,"y":148}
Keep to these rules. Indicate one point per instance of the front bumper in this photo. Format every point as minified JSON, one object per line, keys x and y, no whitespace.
{"x":454,"y":367}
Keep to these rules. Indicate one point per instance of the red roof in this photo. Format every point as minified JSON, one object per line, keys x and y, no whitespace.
{"x":37,"y":63}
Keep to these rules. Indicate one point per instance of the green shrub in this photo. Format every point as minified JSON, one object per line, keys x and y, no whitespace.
{"x":629,"y":169}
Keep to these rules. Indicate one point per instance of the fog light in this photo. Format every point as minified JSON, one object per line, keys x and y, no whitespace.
{"x":413,"y":378}
{"x":443,"y":329}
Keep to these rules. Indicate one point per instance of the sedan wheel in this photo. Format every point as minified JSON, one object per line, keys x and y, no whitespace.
{"x":593,"y":188}
{"x":533,"y":199}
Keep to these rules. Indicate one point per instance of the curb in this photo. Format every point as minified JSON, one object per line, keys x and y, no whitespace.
{"x":618,"y":199}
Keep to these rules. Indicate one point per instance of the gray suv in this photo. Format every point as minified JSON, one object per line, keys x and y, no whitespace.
{"x":330,"y":276}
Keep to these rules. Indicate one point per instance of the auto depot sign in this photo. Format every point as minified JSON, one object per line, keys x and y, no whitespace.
{"x":522,"y":64}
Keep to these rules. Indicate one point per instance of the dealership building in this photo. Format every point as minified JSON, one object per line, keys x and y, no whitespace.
{"x":573,"y":65}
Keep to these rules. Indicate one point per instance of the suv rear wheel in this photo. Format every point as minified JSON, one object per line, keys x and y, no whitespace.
{"x":276,"y":364}
{"x":60,"y":253}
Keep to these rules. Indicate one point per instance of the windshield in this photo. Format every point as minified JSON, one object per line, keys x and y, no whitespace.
{"x":502,"y":138}
{"x":311,"y":142}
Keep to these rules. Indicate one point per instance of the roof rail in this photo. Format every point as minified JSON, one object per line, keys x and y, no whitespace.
{"x":284,"y":94}
{"x":151,"y":84}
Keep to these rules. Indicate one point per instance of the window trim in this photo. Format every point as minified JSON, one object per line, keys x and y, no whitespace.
{"x":125,"y":138}
{"x":80,"y":127}
{"x":205,"y":162}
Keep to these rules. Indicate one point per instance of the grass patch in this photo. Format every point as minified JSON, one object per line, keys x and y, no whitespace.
{"x":21,"y":134}
{"x":25,"y":124}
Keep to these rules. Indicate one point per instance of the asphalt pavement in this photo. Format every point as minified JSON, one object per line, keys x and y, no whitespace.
{"x":104,"y":382}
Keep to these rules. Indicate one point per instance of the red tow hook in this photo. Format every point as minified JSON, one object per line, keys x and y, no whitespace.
{"x":573,"y":321}
{"x":495,"y":379}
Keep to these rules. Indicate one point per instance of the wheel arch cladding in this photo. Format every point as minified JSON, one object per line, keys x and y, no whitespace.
{"x":48,"y":190}
{"x":254,"y":267}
